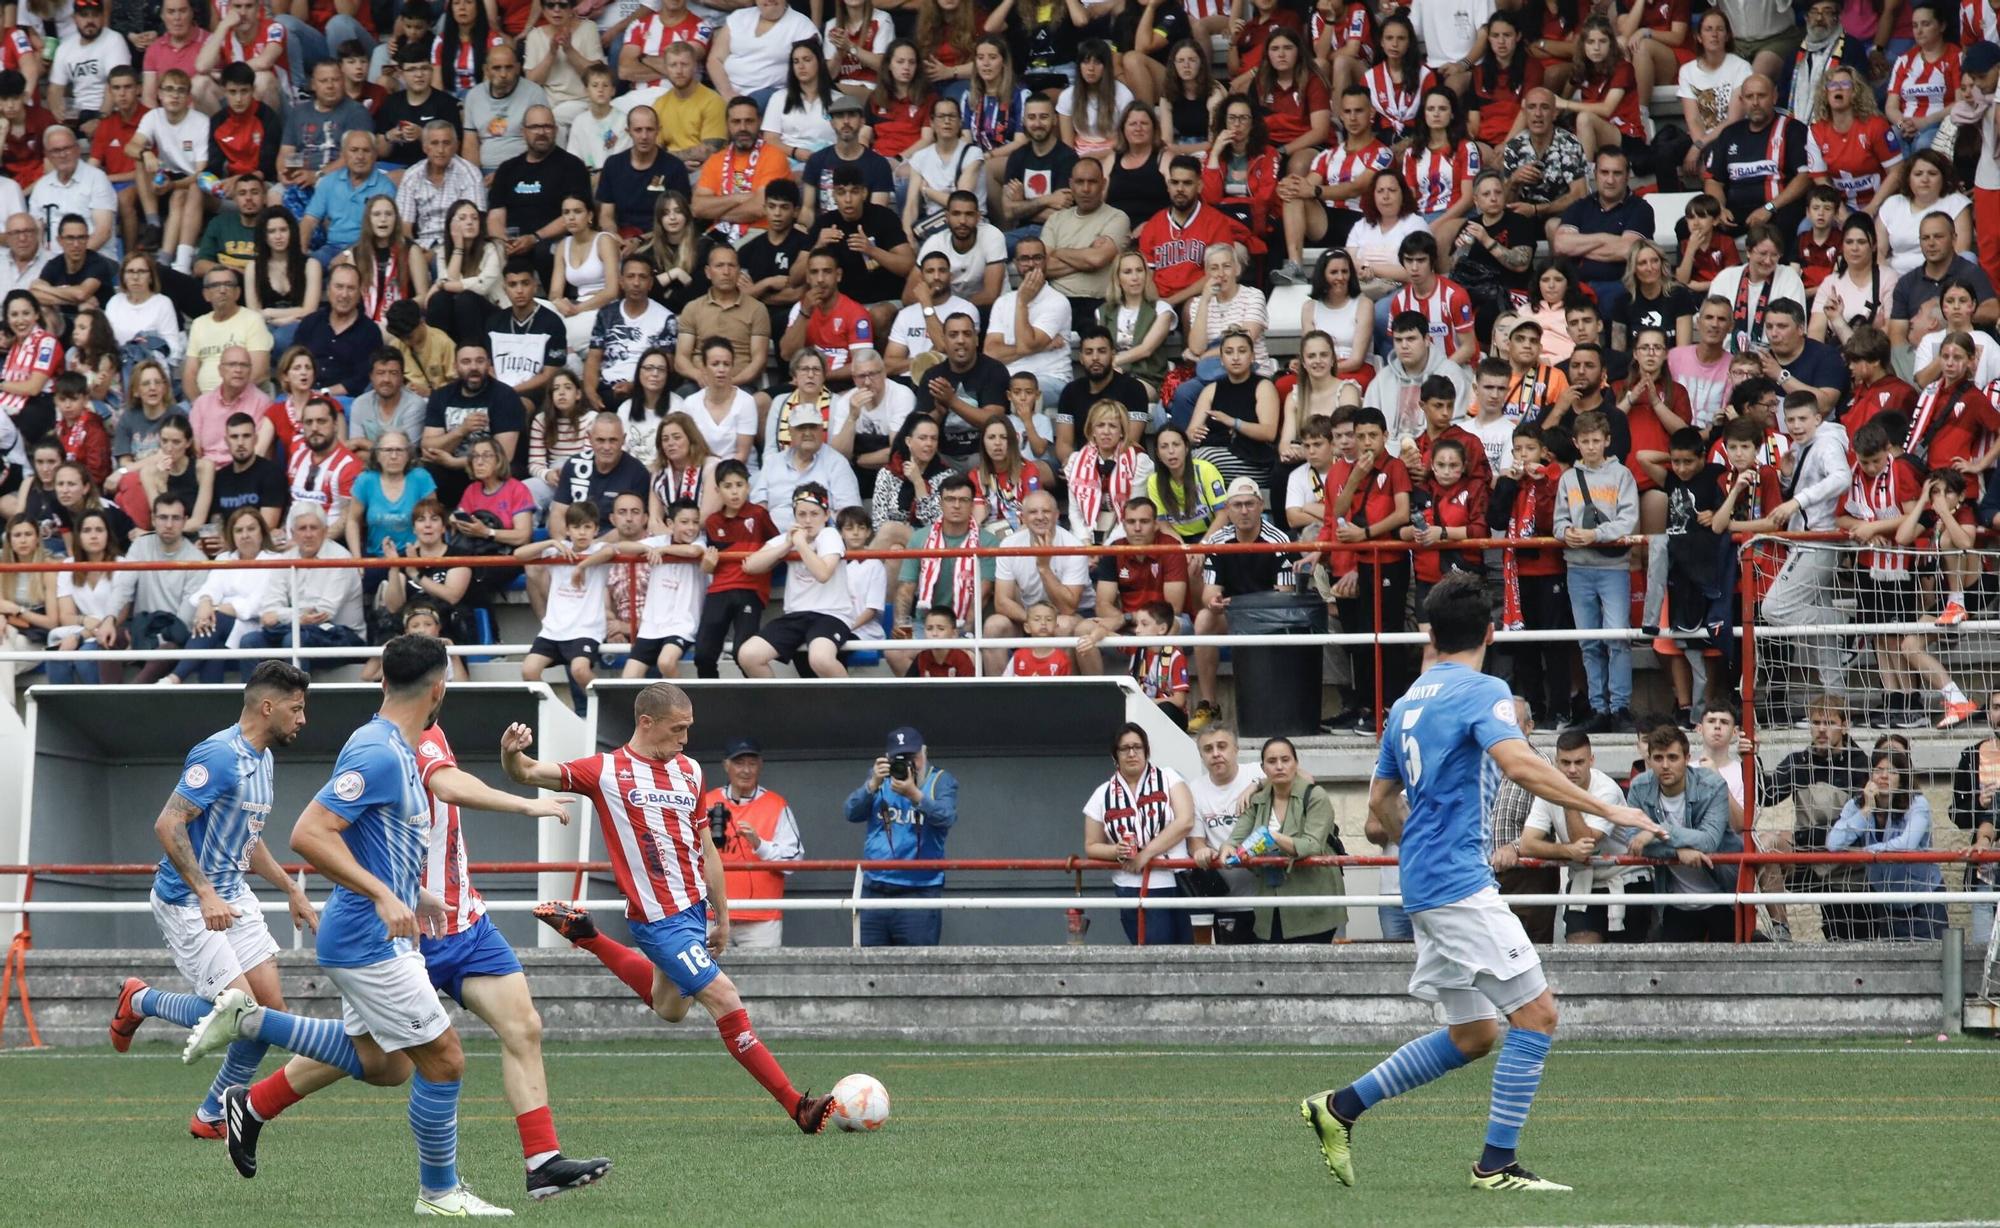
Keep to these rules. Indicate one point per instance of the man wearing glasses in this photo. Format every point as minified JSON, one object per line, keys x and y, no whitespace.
{"x":23,"y":259}
{"x":71,"y":186}
{"x":77,"y":277}
{"x":225,"y":325}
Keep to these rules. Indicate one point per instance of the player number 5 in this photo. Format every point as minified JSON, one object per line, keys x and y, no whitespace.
{"x":1413,"y":760}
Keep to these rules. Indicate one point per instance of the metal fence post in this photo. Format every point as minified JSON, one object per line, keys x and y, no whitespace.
{"x":1952,"y":983}
{"x":292,"y":582}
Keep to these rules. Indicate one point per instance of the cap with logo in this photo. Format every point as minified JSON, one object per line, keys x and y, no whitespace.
{"x":904,"y":741}
{"x":736,"y":748}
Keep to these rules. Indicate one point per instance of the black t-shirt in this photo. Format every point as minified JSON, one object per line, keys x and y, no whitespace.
{"x":398,"y":109}
{"x":57,"y":273}
{"x":876,"y":174}
{"x":636,"y":192}
{"x":262,"y":485}
{"x":763,"y":259}
{"x":1690,"y":544}
{"x":532,"y":192}
{"x":857,"y":281}
{"x":1041,"y":174}
{"x":582,"y":481}
{"x":450,"y":404}
{"x":984,"y":384}
{"x":1746,"y":163}
{"x":1662,"y":313}
{"x":1477,"y":270}
{"x":1073,"y":406}
{"x":514,"y":362}
{"x":1170,"y":22}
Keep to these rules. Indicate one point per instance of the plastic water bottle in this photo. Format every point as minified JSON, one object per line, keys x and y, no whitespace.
{"x":1257,"y":844}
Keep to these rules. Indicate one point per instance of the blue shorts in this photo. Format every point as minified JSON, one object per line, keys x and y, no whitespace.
{"x":678,"y":946}
{"x":478,"y":951}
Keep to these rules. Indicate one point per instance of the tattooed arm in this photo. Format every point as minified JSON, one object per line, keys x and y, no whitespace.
{"x":171,"y":829}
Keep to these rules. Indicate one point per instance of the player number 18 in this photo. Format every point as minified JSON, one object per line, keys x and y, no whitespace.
{"x":695,"y":958}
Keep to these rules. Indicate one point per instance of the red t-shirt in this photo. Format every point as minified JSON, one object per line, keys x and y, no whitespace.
{"x":1625,"y":116}
{"x":1376,"y":500}
{"x":1462,"y":505}
{"x":749,"y":529}
{"x":1649,"y":434}
{"x":1142,"y":578}
{"x":1663,"y":14}
{"x":1288,"y":113}
{"x":319,"y":12}
{"x":1176,"y":252}
{"x":1856,"y":160}
{"x":1257,"y":31}
{"x":1816,"y":258}
{"x":957,"y":663}
{"x":898,"y":125}
{"x":1498,"y":101}
{"x":1886,"y":395}
{"x":108,"y":142}
{"x":838,"y":330}
{"x":241,"y":139}
{"x":1476,"y":468}
{"x":21,"y":157}
{"x":1946,"y":427}
{"x":1025,"y":664}
{"x":86,"y":442}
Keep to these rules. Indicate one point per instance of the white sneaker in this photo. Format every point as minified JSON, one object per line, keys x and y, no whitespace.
{"x":217,"y":1029}
{"x":461,"y":1202}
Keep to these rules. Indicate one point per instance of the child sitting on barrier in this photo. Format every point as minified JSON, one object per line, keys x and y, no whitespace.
{"x":940,"y":623}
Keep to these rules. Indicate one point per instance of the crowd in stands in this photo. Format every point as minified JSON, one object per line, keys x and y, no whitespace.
{"x":720,"y":293}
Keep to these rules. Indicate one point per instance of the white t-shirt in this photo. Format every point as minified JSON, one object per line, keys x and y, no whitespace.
{"x":1094,"y":809}
{"x":1304,"y":487}
{"x":1546,"y":816}
{"x":1711,"y":90}
{"x":885,"y":418}
{"x":674,"y":592}
{"x":808,"y":127}
{"x":1988,"y":359}
{"x":941,"y":173}
{"x":1217,"y":807}
{"x":1900,"y":221}
{"x":1497,"y":436}
{"x":868,"y":587}
{"x":156,"y":316}
{"x":968,"y":269}
{"x":81,"y":68}
{"x":180,"y":147}
{"x":1098,"y":125}
{"x":1070,"y":569}
{"x":1368,"y":239}
{"x":759,"y":62}
{"x":908,"y":326}
{"x":805,"y":593}
{"x":87,"y":191}
{"x":575,"y":611}
{"x":1049,"y":312}
{"x":739,"y":419}
{"x":1447,"y":27}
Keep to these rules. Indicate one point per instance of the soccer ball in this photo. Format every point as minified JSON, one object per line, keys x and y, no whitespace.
{"x":860,"y":1102}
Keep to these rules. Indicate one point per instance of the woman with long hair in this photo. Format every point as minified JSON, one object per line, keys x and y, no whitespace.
{"x":1890,"y":814}
{"x":1656,"y":39}
{"x":1143,"y":813}
{"x":227,"y":605}
{"x":34,"y":357}
{"x":683,"y":468}
{"x":1187,"y":111}
{"x":1236,"y":418}
{"x":1655,"y":406}
{"x":1708,"y":84}
{"x":649,"y":403}
{"x":1298,"y":814}
{"x":1088,"y":107}
{"x":1003,"y":477}
{"x":94,"y":606}
{"x":1855,"y":141}
{"x":1103,"y":473}
{"x":1240,"y":171}
{"x":1556,"y":288}
{"x":676,"y":253}
{"x":1503,"y":75}
{"x":283,"y":285}
{"x":297,"y":375}
{"x":858,"y":38}
{"x":724,"y":412}
{"x":1139,"y":325}
{"x":28,"y":605}
{"x":141,"y":314}
{"x":468,"y":287}
{"x":1187,"y":489}
{"x":1397,"y":82}
{"x":1047,"y":40}
{"x":1135,"y":169}
{"x":949,"y":162}
{"x":1441,"y":164}
{"x":899,"y":108}
{"x":149,"y":402}
{"x":385,"y":496}
{"x":994,"y":102}
{"x":93,"y":354}
{"x":1858,"y":291}
{"x":586,"y":269}
{"x":906,"y":491}
{"x":495,"y":508}
{"x":751,"y":51}
{"x":464,"y":38}
{"x":1316,"y":394}
{"x":1337,"y":308}
{"x":560,"y":431}
{"x":945,"y":35}
{"x":1297,"y":110}
{"x":176,"y":468}
{"x":1604,"y":94}
{"x":1653,"y":299}
{"x":382,"y":256}
{"x":36,"y":498}
{"x":797,"y":120}
{"x":1930,"y":185}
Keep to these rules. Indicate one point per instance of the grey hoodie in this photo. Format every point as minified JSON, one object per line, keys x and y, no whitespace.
{"x":1617,"y":498}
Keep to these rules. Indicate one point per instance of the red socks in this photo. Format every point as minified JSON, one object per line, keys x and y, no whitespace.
{"x":626,"y":964}
{"x":538,"y":1132}
{"x":744,"y":1046}
{"x":272,"y":1095}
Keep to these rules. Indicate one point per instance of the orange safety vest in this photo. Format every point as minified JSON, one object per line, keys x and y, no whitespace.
{"x":762,"y":812}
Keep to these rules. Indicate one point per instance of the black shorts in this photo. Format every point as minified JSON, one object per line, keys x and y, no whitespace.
{"x":565,"y":651}
{"x":1888,"y":601}
{"x":792,"y":635}
{"x":647,"y":652}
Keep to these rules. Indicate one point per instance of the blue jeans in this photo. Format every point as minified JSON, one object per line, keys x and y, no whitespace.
{"x":71,"y":669}
{"x":205,"y":669}
{"x":281,"y":338}
{"x":1167,"y":927}
{"x":1206,"y":371}
{"x":310,"y":45}
{"x":323,"y":635}
{"x":1395,"y":924}
{"x":1600,"y":598}
{"x":901,"y":927}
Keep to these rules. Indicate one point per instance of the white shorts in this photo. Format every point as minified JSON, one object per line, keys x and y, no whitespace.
{"x":392,"y":1002}
{"x":211,"y":959}
{"x":757,"y":935}
{"x":1474,"y":959}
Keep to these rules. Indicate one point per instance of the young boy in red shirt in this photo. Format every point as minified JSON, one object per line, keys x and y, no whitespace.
{"x":735,"y":598}
{"x":941,"y":623}
{"x":1162,"y":673}
{"x":1455,"y":510}
{"x":1040,"y":662}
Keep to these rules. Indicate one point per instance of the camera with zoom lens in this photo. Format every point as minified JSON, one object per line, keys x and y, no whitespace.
{"x":899,"y":766}
{"x":720,"y":823}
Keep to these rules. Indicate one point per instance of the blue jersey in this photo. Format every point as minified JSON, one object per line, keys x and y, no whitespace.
{"x":229,"y":781}
{"x":1436,"y":744}
{"x":376,"y":787}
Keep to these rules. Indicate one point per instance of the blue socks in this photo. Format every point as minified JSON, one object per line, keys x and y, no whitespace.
{"x":1515,"y":1077}
{"x":434,"y":1120}
{"x":1431,"y":1056}
{"x":239,"y":1065}
{"x":183,"y":1008}
{"x":322,"y":1040}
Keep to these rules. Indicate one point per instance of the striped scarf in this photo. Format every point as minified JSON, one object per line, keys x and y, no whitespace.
{"x":962,"y":570}
{"x":1135,"y":818}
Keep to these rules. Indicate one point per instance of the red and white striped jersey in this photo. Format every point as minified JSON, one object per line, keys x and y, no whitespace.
{"x":1198,"y":9}
{"x":1396,"y":105}
{"x":1448,"y":308}
{"x":1437,"y":176}
{"x":1880,"y":498}
{"x":445,"y":867}
{"x":1977,"y":22}
{"x":648,"y":811}
{"x":1923,"y":85}
{"x":1341,"y":165}
{"x":327,"y":481}
{"x":234,"y":50}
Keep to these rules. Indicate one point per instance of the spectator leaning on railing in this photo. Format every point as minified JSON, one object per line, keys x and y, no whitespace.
{"x":326,"y":600}
{"x":1142,"y":813}
{"x":910,"y":808}
{"x":1293,"y":817}
{"x":1891,"y":815}
{"x":1693,"y":805}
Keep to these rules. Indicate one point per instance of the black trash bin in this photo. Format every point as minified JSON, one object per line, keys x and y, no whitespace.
{"x":1277,"y":689}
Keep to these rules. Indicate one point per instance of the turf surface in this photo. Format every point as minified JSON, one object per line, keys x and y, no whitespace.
{"x":1798,"y":1133}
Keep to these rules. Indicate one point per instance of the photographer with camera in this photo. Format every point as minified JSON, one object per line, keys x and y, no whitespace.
{"x":748,"y":820}
{"x":910,"y":808}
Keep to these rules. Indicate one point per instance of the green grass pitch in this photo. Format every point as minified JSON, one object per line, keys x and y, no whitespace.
{"x":1791,"y":1133}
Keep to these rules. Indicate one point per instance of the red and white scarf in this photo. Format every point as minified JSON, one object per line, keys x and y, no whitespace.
{"x":962,"y":570}
{"x":1935,"y":406}
{"x":1093,"y":493}
{"x":1135,"y":818}
{"x":1520,"y":525}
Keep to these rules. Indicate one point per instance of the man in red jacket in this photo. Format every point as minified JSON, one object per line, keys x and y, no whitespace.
{"x":1176,"y":240}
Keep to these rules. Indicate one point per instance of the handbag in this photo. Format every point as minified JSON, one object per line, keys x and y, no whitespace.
{"x":936,"y":223}
{"x":1594,"y":517}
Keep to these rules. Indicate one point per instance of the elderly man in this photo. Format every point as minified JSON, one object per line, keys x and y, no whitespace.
{"x":496,"y":111}
{"x":339,"y":337}
{"x":760,"y":827}
{"x":1756,"y":168}
{"x":430,"y":188}
{"x":333,"y":218}
{"x":1063,"y":580}
{"x":227,"y":324}
{"x":867,"y":416}
{"x":633,"y":180}
{"x":1598,"y":231}
{"x":72,"y":186}
{"x":807,"y":460}
{"x":390,"y":404}
{"x":23,"y":259}
{"x":233,"y":391}
{"x":597,"y":476}
{"x":528,"y":191}
{"x":1030,"y":328}
{"x":323,"y":602}
{"x":1226,"y":577}
{"x":1544,"y":165}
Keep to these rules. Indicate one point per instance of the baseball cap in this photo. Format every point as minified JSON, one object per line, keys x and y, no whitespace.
{"x":807,"y":415}
{"x":1979,"y":58}
{"x":845,"y":104}
{"x":736,"y":748}
{"x":904,"y":741}
{"x":89,"y":4}
{"x":1244,"y":486}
